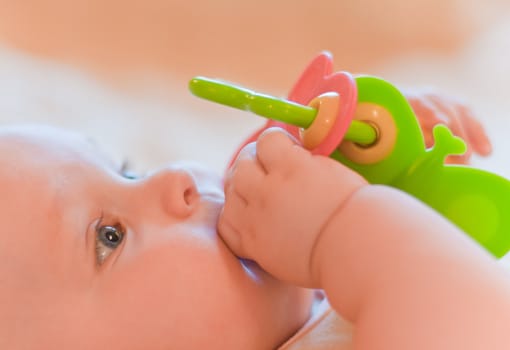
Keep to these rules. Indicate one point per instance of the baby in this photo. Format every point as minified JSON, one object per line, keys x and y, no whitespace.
{"x":96,"y":259}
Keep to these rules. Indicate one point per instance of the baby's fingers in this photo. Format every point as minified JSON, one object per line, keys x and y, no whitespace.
{"x":230,"y":223}
{"x":273,"y":147}
{"x":475,"y":132}
{"x":235,"y":222}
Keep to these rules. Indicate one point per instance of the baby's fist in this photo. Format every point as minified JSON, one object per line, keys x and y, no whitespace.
{"x":278,"y":199}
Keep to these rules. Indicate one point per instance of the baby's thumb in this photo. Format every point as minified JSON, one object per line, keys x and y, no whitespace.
{"x":273,"y":146}
{"x":231,"y":237}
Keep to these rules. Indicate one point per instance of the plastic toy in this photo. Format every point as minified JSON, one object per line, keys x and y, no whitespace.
{"x":368,"y":125}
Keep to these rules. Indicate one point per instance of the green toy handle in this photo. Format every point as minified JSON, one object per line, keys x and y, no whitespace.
{"x":272,"y":107}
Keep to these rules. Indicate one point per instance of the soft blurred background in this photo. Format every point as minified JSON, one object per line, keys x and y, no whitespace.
{"x":118,"y":70}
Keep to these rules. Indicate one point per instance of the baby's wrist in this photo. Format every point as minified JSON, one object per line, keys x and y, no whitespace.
{"x":328,"y":238}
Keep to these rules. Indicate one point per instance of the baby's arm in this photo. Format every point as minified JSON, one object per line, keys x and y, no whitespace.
{"x":409,"y":279}
{"x":406,"y":277}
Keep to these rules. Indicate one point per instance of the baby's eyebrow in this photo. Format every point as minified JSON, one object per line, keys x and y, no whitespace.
{"x":124,"y":166}
{"x":113,"y":163}
{"x":126,"y":172}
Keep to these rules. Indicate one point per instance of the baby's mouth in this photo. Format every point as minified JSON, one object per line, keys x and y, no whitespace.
{"x":209,"y":195}
{"x":208,"y":185}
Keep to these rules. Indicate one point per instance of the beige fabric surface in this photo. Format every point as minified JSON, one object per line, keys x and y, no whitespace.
{"x":326,"y":330}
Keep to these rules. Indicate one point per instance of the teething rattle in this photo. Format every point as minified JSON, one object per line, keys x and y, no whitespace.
{"x":368,"y":125}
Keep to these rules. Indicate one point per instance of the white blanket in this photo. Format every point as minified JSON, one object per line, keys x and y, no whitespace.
{"x":149,"y":129}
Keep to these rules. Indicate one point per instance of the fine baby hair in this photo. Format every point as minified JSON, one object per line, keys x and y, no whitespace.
{"x":368,"y":125}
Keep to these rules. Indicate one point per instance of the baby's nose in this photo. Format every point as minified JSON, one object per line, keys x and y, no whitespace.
{"x":177,"y":191}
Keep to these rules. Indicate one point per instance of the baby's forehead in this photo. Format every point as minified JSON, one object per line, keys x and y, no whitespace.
{"x":42,"y":169}
{"x":41,"y":143}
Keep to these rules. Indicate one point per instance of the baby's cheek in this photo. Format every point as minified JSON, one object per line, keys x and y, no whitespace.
{"x":177,"y":297}
{"x":188,"y":292}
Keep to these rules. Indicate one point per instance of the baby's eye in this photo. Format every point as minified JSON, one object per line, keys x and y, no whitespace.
{"x":108,"y":238}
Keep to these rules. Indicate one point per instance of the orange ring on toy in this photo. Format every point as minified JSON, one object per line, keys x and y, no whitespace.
{"x":386,"y":130}
{"x":327,"y":106}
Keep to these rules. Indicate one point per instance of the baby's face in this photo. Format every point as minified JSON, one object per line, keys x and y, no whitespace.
{"x":94,"y":260}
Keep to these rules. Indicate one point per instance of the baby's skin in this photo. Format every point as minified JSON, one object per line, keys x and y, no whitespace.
{"x":402,"y":274}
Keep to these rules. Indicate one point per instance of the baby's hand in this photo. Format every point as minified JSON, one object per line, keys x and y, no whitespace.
{"x":278,"y":199}
{"x":432,"y":109}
